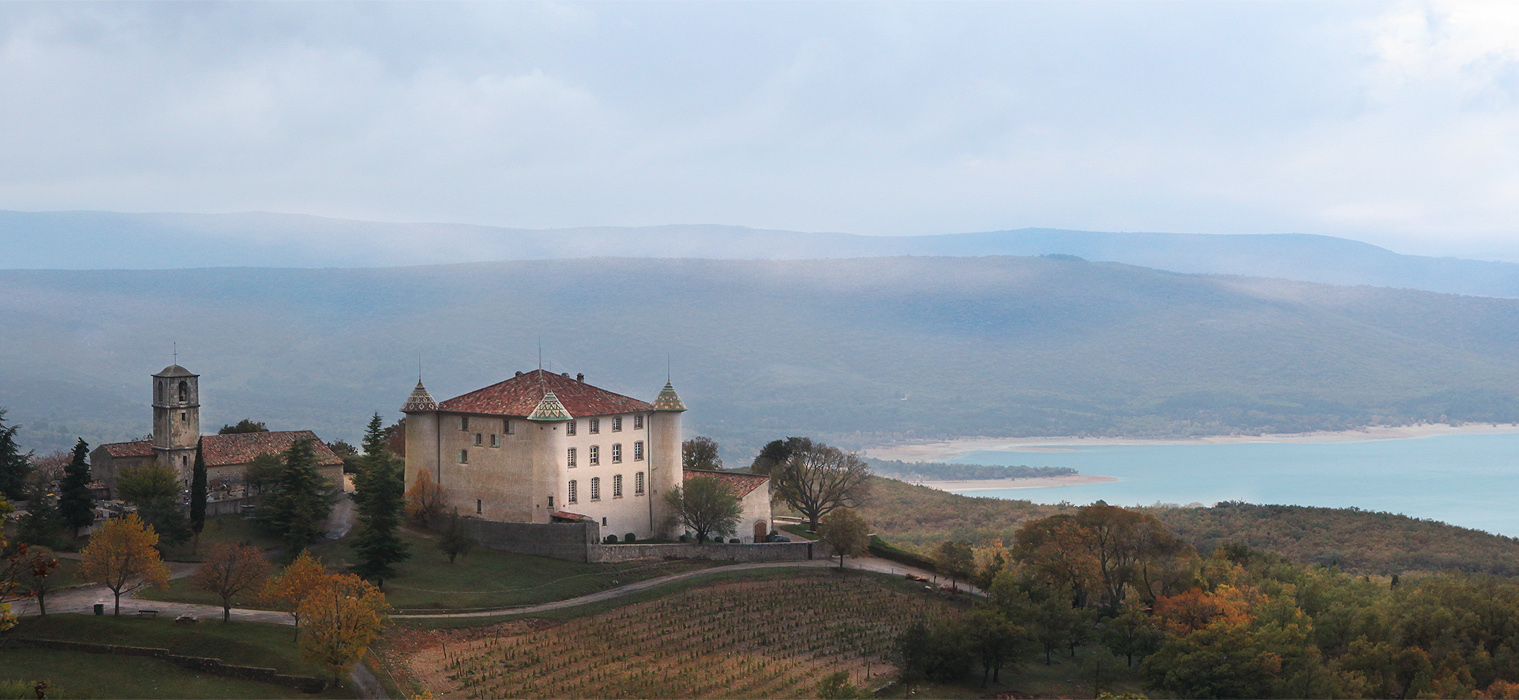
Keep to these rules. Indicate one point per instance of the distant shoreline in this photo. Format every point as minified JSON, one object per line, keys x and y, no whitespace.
{"x":1033,"y":482}
{"x":949,"y":450}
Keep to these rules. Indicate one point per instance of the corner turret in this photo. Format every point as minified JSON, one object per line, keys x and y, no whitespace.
{"x":668,"y":400}
{"x":419,"y":401}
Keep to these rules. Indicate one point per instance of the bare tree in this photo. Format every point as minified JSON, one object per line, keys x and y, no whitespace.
{"x":817,"y":480}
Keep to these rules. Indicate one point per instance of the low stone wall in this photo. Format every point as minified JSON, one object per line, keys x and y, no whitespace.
{"x":215,"y":667}
{"x":568,"y":541}
{"x":769,"y":551}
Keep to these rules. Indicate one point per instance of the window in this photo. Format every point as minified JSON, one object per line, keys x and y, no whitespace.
{"x":184,"y":392}
{"x":464,"y":456}
{"x":160,"y":392}
{"x":638,"y":422}
{"x":184,"y":416}
{"x":551,"y":501}
{"x":477,"y":506}
{"x":569,"y":458}
{"x":464,"y":423}
{"x":507,"y":427}
{"x":495,"y":440}
{"x":616,"y":424}
{"x":595,"y":455}
{"x":479,"y":439}
{"x":569,"y":428}
{"x":603,"y":522}
{"x":638,"y":484}
{"x":638,"y":451}
{"x":596,"y":488}
{"x":184,"y":461}
{"x":593,"y":426}
{"x":572,"y":496}
{"x":617,"y":453}
{"x":617,"y":486}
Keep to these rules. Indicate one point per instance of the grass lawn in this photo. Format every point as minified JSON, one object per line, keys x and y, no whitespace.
{"x":487,"y":578}
{"x":799,"y":530}
{"x":222,"y":528}
{"x":78,"y":674}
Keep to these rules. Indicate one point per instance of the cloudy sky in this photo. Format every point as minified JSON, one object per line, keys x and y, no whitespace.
{"x":1396,"y":123}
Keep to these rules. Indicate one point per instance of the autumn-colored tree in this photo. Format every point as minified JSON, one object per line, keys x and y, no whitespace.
{"x":10,"y":573}
{"x":343,"y":615}
{"x":121,"y":556}
{"x":846,"y":532}
{"x":1194,"y":610}
{"x":229,"y":570}
{"x":285,"y":590}
{"x":1055,"y":549}
{"x":424,"y":500}
{"x":36,"y":574}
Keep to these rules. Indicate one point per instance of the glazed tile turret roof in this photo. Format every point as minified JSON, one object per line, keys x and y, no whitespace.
{"x":419,"y":400}
{"x":549,"y":409}
{"x":668,"y":400}
{"x":521,"y":395}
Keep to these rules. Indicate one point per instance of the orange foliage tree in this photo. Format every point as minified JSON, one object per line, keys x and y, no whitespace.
{"x":121,"y":557}
{"x":424,"y":500}
{"x":1193,"y":610}
{"x":343,"y":615}
{"x":231,"y":569}
{"x":286,"y":590}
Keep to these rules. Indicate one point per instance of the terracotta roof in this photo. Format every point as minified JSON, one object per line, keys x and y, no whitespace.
{"x":520,"y":396}
{"x":241,"y":448}
{"x":572,"y":517}
{"x":136,"y":448}
{"x":739,"y":484}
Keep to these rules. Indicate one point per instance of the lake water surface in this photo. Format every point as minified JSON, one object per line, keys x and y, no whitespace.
{"x":1470,"y":480}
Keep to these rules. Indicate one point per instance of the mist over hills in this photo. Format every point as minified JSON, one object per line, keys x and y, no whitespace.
{"x":854,"y":351}
{"x":108,"y":240}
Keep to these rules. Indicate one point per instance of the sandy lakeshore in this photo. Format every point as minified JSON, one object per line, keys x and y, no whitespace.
{"x":1038,"y":482}
{"x":948,"y":450}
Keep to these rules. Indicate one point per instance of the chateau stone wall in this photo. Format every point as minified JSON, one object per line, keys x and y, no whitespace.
{"x":568,"y":541}
{"x":770,"y":551}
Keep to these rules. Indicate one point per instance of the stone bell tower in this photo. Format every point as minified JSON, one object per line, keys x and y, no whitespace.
{"x":176,"y":418}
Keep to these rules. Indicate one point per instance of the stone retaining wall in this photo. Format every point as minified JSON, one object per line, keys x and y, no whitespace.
{"x":770,"y":551}
{"x":215,"y":667}
{"x":568,"y":541}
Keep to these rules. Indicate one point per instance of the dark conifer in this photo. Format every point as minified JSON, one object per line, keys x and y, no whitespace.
{"x":76,"y":503}
{"x":380,"y":497}
{"x":295,"y":511}
{"x":198,"y":494}
{"x":14,"y":466}
{"x":41,"y":525}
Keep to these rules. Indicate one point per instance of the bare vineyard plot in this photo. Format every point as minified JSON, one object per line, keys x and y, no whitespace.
{"x":739,"y":640}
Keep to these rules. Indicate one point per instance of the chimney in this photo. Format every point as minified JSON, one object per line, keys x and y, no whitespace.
{"x":580,"y":377}
{"x":566,"y":375}
{"x":519,"y":373}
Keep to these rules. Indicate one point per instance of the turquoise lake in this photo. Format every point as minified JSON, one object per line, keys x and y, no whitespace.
{"x":1468,"y":480}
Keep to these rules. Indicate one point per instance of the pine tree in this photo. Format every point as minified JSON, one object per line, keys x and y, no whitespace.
{"x":14,"y":466}
{"x":295,"y":511}
{"x":76,"y":503}
{"x":380,"y":497}
{"x":41,"y":524}
{"x":198,"y":494}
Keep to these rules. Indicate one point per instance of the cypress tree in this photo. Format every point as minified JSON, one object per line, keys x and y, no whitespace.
{"x":14,"y":466}
{"x":380,"y":497}
{"x":76,"y":503}
{"x":301,"y":502}
{"x":198,"y":494}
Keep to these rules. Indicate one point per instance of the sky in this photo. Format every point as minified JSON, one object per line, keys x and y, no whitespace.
{"x":1389,"y":122}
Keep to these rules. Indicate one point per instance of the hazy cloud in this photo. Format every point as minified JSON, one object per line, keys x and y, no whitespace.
{"x":1390,"y":122}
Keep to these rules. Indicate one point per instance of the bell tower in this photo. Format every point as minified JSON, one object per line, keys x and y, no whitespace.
{"x":176,"y":418}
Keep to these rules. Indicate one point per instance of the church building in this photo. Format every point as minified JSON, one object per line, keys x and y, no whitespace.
{"x":544,"y":447}
{"x":176,"y":435}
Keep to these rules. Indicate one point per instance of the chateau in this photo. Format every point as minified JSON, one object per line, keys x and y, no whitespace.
{"x":543,"y":447}
{"x":176,"y":436}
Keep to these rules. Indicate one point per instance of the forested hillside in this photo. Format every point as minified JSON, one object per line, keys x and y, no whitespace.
{"x":919,"y":518}
{"x":851,"y":351}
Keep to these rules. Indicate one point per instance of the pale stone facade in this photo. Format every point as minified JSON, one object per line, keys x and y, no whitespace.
{"x":542,"y":447}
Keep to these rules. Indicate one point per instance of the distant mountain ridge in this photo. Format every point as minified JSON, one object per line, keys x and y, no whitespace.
{"x":108,"y":240}
{"x":851,"y":351}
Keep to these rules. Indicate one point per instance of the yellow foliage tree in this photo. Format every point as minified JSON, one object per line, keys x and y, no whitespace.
{"x":342,"y":617}
{"x":286,"y":590}
{"x":11,"y":569}
{"x":121,"y":557}
{"x":424,"y":500}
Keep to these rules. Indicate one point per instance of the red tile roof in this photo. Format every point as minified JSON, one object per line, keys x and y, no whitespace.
{"x":521,"y":394}
{"x":571,"y":517}
{"x":241,"y":448}
{"x":136,"y":448}
{"x":739,"y":485}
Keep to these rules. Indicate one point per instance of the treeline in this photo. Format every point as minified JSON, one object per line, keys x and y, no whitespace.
{"x":950,"y":471}
{"x":917,"y":518}
{"x":1237,"y":623}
